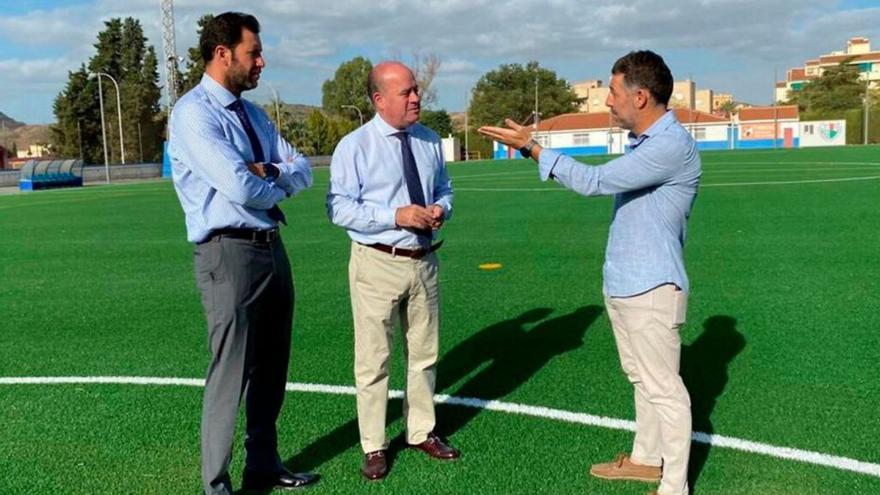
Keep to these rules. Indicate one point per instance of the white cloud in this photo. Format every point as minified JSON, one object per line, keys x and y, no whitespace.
{"x":740,"y":41}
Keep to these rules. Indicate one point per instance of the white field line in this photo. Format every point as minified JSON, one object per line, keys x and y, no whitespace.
{"x":789,"y":182}
{"x":517,"y":176}
{"x":729,"y":168}
{"x":717,"y":184}
{"x":818,"y":458}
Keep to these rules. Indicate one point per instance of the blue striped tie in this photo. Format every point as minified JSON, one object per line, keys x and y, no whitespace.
{"x":237,"y":106}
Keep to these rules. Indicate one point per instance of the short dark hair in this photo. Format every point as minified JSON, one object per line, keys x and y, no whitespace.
{"x":646,"y":69}
{"x":225,"y":29}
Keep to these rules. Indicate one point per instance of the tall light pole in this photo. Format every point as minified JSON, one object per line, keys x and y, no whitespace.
{"x":536,"y":102}
{"x":118,"y":111}
{"x":276,"y":100}
{"x":867,"y":105}
{"x":467,"y":107}
{"x":103,"y":131}
{"x":356,"y":109}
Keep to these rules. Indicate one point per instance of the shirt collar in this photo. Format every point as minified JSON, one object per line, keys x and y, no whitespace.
{"x":660,"y":125}
{"x":387,"y":129}
{"x":223,"y":95}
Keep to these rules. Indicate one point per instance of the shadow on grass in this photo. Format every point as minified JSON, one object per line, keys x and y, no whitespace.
{"x":514,"y":354}
{"x":704,"y":370}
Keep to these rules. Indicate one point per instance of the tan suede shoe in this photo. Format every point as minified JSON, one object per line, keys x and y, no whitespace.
{"x":622,"y":468}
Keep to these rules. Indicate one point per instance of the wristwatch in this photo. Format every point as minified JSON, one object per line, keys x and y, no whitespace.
{"x":271,"y":172}
{"x":526,"y":151}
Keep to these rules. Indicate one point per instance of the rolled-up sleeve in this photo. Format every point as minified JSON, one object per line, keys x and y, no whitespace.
{"x":647,"y":165}
{"x":443,"y":187}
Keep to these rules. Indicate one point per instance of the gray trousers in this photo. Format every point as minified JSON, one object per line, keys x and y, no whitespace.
{"x":247,"y":292}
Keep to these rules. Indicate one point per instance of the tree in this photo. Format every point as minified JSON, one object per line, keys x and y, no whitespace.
{"x":77,"y":115}
{"x":425,"y":69}
{"x":728,"y":107}
{"x":321,"y":133}
{"x":438,"y":120}
{"x":509,"y":92}
{"x":348,"y":87}
{"x":195,"y":66}
{"x":838,"y":89}
{"x":123,"y":54}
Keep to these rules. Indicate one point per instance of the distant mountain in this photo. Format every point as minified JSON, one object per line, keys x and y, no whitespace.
{"x":23,"y":135}
{"x":8,"y":122}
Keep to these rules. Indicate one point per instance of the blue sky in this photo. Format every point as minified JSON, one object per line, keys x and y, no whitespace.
{"x":727,"y":45}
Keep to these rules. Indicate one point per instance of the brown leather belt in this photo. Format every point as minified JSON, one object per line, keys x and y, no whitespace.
{"x":408,"y":253}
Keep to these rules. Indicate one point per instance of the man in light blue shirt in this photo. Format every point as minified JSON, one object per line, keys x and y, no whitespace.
{"x":646,"y":287}
{"x":230,"y":170}
{"x":390,"y":191}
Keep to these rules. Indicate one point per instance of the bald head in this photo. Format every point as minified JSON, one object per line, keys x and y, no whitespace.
{"x":394,"y":93}
{"x":382,"y":70}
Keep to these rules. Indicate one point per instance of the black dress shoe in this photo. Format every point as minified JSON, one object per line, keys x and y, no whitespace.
{"x":284,"y":479}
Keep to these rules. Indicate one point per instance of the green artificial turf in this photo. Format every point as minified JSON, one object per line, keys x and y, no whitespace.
{"x":781,"y":345}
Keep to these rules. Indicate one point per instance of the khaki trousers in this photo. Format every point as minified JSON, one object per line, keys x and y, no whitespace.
{"x":384,"y":288}
{"x":646,"y":330}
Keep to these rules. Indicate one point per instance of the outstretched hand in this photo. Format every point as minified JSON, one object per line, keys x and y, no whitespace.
{"x":514,"y":135}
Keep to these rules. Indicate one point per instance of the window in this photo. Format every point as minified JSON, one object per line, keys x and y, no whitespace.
{"x":581,"y":139}
{"x":808,"y":129}
{"x":700,"y":133}
{"x":543,"y":140}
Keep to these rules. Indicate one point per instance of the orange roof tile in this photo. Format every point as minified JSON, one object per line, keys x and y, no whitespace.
{"x":785,"y":112}
{"x":600,"y":120}
{"x":798,"y":74}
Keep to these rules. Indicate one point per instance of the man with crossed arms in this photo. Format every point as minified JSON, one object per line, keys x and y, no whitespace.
{"x":231,"y":168}
{"x":390,"y":191}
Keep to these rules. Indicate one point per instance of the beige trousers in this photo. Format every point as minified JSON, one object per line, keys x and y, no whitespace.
{"x":383,"y":289}
{"x":646,"y":330}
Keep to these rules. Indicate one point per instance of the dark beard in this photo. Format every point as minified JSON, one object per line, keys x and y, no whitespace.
{"x":239,"y":80}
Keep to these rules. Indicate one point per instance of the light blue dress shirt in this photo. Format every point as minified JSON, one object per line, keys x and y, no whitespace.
{"x":654,"y":188}
{"x":209,"y":152}
{"x":367,"y":184}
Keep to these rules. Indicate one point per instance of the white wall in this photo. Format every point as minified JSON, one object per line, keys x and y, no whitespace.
{"x":451,"y":149}
{"x":823,"y":133}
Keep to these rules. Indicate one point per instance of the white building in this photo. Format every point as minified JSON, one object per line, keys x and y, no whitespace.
{"x":595,"y":134}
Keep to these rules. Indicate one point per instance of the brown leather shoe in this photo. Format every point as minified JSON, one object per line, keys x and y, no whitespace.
{"x":375,"y":465}
{"x":437,"y":448}
{"x":622,"y":468}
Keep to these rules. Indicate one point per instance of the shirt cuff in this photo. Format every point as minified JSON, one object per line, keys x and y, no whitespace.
{"x":386,"y":217}
{"x":546,"y":163}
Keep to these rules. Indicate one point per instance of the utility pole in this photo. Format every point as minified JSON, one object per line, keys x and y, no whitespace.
{"x":467,"y":105}
{"x":775,"y":113}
